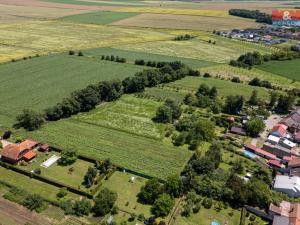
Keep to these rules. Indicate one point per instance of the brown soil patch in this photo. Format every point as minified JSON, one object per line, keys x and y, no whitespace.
{"x":19,"y":214}
{"x":185,"y":22}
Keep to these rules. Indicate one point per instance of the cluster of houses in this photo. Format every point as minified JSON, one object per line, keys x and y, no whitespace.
{"x":26,"y":150}
{"x":282,"y":151}
{"x":266,"y":35}
{"x":285,"y":213}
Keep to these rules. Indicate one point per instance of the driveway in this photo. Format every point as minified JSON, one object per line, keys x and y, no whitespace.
{"x":270,"y":123}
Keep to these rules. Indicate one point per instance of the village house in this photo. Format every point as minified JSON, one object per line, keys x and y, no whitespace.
{"x":289,"y":185}
{"x":285,"y":214}
{"x":238,"y":130}
{"x":292,"y":121}
{"x":279,"y":130}
{"x":13,"y":153}
{"x":260,"y":152}
{"x":281,"y":151}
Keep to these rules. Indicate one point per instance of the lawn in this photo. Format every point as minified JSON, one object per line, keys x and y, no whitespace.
{"x":199,"y":48}
{"x":59,"y":173}
{"x":99,"y":17}
{"x":129,"y":114}
{"x":135,"y":152}
{"x":224,"y":87}
{"x":287,"y":68}
{"x":131,"y":56}
{"x":31,"y":185}
{"x":127,"y":192}
{"x":206,"y":216}
{"x":41,"y":82}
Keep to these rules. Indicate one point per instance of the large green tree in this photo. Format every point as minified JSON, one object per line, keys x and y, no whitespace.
{"x":29,"y":120}
{"x":104,"y":202}
{"x":255,"y":126}
{"x":163,"y":205}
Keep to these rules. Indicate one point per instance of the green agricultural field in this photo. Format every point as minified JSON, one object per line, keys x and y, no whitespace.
{"x":31,"y":185}
{"x":199,"y":48}
{"x":224,"y":87}
{"x":131,"y":56}
{"x":42,"y":82}
{"x":129,"y":114}
{"x":164,"y":93}
{"x":99,"y":17}
{"x":127,"y":192}
{"x":288,"y":68}
{"x":246,"y":75}
{"x":135,"y":152}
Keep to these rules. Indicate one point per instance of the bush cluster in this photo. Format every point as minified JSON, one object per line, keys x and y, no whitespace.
{"x":113,"y":58}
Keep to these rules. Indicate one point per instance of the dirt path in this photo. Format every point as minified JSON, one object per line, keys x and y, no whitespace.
{"x":19,"y":214}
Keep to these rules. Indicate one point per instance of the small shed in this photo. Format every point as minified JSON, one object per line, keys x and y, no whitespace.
{"x":238,"y":130}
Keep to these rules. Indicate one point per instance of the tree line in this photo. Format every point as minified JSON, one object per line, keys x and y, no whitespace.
{"x":184,"y":37}
{"x":251,"y":59}
{"x":105,"y":91}
{"x":259,"y":17}
{"x":113,"y":58}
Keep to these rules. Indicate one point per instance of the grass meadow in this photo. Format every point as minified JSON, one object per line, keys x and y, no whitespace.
{"x":224,"y":87}
{"x":199,"y":48}
{"x":42,"y":82}
{"x":246,"y":75}
{"x":127,"y":192}
{"x":99,"y":17}
{"x":31,"y":37}
{"x":289,"y":68}
{"x":31,"y":185}
{"x":131,"y":56}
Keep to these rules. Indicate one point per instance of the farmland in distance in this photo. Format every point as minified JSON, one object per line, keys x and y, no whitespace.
{"x":58,"y":76}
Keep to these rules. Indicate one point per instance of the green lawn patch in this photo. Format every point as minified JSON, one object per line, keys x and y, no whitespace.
{"x":30,"y":185}
{"x":147,"y":56}
{"x":127,"y":192}
{"x":224,"y":87}
{"x":72,"y":175}
{"x":207,"y":216}
{"x":164,"y":93}
{"x":99,"y":17}
{"x":42,"y":82}
{"x":287,"y":68}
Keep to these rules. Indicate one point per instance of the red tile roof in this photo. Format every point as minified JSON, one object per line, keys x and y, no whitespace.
{"x":274,"y":162}
{"x":294,"y":162}
{"x":28,"y":144}
{"x":11,"y":151}
{"x":287,"y":209}
{"x":29,"y":155}
{"x":297,"y":136}
{"x":260,"y":151}
{"x":280,"y":128}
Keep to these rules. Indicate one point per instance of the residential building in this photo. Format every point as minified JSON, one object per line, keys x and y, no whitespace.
{"x":289,"y":185}
{"x":273,"y":139}
{"x":260,"y":152}
{"x":275,"y":164}
{"x":294,"y":163}
{"x":280,"y":151}
{"x":285,"y":214}
{"x":238,"y":130}
{"x":279,"y":130}
{"x":292,"y":121}
{"x":13,"y":153}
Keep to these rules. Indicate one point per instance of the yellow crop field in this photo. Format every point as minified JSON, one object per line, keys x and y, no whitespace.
{"x":41,"y":37}
{"x":193,"y":12}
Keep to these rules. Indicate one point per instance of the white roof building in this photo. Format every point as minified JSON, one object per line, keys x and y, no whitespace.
{"x":289,"y":185}
{"x":288,"y":144}
{"x":273,"y":139}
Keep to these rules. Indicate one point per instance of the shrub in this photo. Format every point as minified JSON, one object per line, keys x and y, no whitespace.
{"x":252,"y":218}
{"x":62,"y":192}
{"x":80,"y":54}
{"x":71,"y":52}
